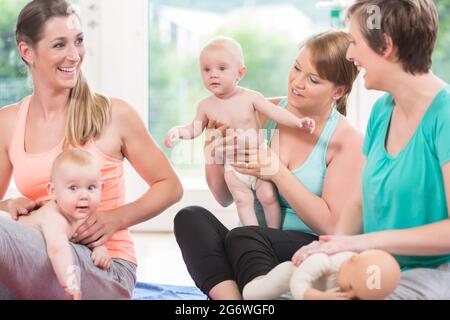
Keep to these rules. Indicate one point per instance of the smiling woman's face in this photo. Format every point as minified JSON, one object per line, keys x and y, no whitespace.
{"x":58,"y":56}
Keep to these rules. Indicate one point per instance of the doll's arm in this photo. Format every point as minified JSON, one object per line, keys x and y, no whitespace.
{"x":314,"y":267}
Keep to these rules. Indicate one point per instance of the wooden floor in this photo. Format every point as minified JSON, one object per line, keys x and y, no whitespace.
{"x":159,"y":259}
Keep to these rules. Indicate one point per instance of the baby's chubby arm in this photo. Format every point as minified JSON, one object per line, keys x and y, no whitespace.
{"x":280,"y":115}
{"x":55,"y":230}
{"x":189,"y":131}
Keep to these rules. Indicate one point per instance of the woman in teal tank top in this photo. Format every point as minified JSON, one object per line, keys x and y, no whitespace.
{"x":403,"y":205}
{"x":312,"y":170}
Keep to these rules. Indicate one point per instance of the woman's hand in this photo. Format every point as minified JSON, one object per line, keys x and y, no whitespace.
{"x":214,"y":140}
{"x":331,"y":245}
{"x":22,"y":207}
{"x":96,"y":230}
{"x":260,"y":162}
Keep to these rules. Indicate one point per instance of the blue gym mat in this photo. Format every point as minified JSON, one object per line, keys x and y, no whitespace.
{"x":153,"y":291}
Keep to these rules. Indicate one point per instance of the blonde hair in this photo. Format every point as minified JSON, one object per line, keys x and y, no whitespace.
{"x":328,"y":55}
{"x":88,"y":112}
{"x":77,"y":157}
{"x":229,"y":45}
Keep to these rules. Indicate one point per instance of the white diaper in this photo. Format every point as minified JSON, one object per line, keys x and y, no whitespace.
{"x":250,"y":181}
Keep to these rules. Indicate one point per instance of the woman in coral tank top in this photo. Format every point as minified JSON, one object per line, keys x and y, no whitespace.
{"x":62,"y":113}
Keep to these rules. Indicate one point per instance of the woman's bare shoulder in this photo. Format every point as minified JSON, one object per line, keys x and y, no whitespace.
{"x":346,"y":137}
{"x":123,"y":115}
{"x":9,"y":112}
{"x":121,"y":109}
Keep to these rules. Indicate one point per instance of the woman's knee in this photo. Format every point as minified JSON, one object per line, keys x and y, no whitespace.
{"x":192,"y":220}
{"x":190,"y":215}
{"x":240,"y":235}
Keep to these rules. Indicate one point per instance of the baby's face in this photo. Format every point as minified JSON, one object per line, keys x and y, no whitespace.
{"x":77,"y":189}
{"x":220,"y":71}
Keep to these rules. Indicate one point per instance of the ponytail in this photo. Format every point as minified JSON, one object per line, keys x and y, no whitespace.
{"x":341,"y":105}
{"x":88,"y":114}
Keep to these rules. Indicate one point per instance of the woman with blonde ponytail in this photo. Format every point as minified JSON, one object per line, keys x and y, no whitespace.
{"x":63,"y":112}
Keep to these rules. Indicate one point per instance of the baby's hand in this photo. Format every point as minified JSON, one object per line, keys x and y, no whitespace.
{"x":101,"y":258}
{"x":307,"y":123}
{"x":173,"y":134}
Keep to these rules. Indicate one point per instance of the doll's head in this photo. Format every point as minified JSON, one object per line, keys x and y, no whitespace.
{"x":370,"y":275}
{"x":222,"y":65}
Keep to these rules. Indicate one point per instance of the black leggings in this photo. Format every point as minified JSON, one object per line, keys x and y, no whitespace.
{"x":213,"y":253}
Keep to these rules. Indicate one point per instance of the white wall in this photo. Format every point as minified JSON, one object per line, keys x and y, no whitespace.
{"x":360,"y":103}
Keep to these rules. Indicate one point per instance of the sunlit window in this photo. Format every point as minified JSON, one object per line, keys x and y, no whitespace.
{"x":269,"y":32}
{"x":14,"y":84}
{"x":14,"y":81}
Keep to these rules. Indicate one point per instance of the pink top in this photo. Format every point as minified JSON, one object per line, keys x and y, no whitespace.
{"x":32,"y":175}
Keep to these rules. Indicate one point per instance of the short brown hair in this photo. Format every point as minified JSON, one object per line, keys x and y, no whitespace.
{"x":328,"y":56}
{"x":412,"y":25}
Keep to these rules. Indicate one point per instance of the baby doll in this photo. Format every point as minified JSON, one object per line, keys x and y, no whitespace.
{"x":369,"y":275}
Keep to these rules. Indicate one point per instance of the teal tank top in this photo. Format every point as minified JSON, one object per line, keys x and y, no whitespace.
{"x":311,"y":173}
{"x":407,"y":190}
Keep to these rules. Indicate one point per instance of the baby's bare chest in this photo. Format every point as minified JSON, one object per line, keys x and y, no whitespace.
{"x":236,"y":114}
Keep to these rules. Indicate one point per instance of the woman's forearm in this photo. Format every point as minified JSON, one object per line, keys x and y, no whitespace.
{"x":428,"y":240}
{"x":311,"y":209}
{"x":216,"y":182}
{"x":160,"y":196}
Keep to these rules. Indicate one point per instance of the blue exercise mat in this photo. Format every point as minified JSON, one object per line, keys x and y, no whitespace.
{"x":152,"y":291}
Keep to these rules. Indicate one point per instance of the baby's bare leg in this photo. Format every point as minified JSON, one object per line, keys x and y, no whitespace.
{"x":243,"y":197}
{"x":266,"y":194}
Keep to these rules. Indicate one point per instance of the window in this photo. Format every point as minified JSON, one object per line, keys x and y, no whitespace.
{"x":14,"y":79}
{"x":14,"y":84}
{"x":441,"y":54}
{"x":269,"y":32}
